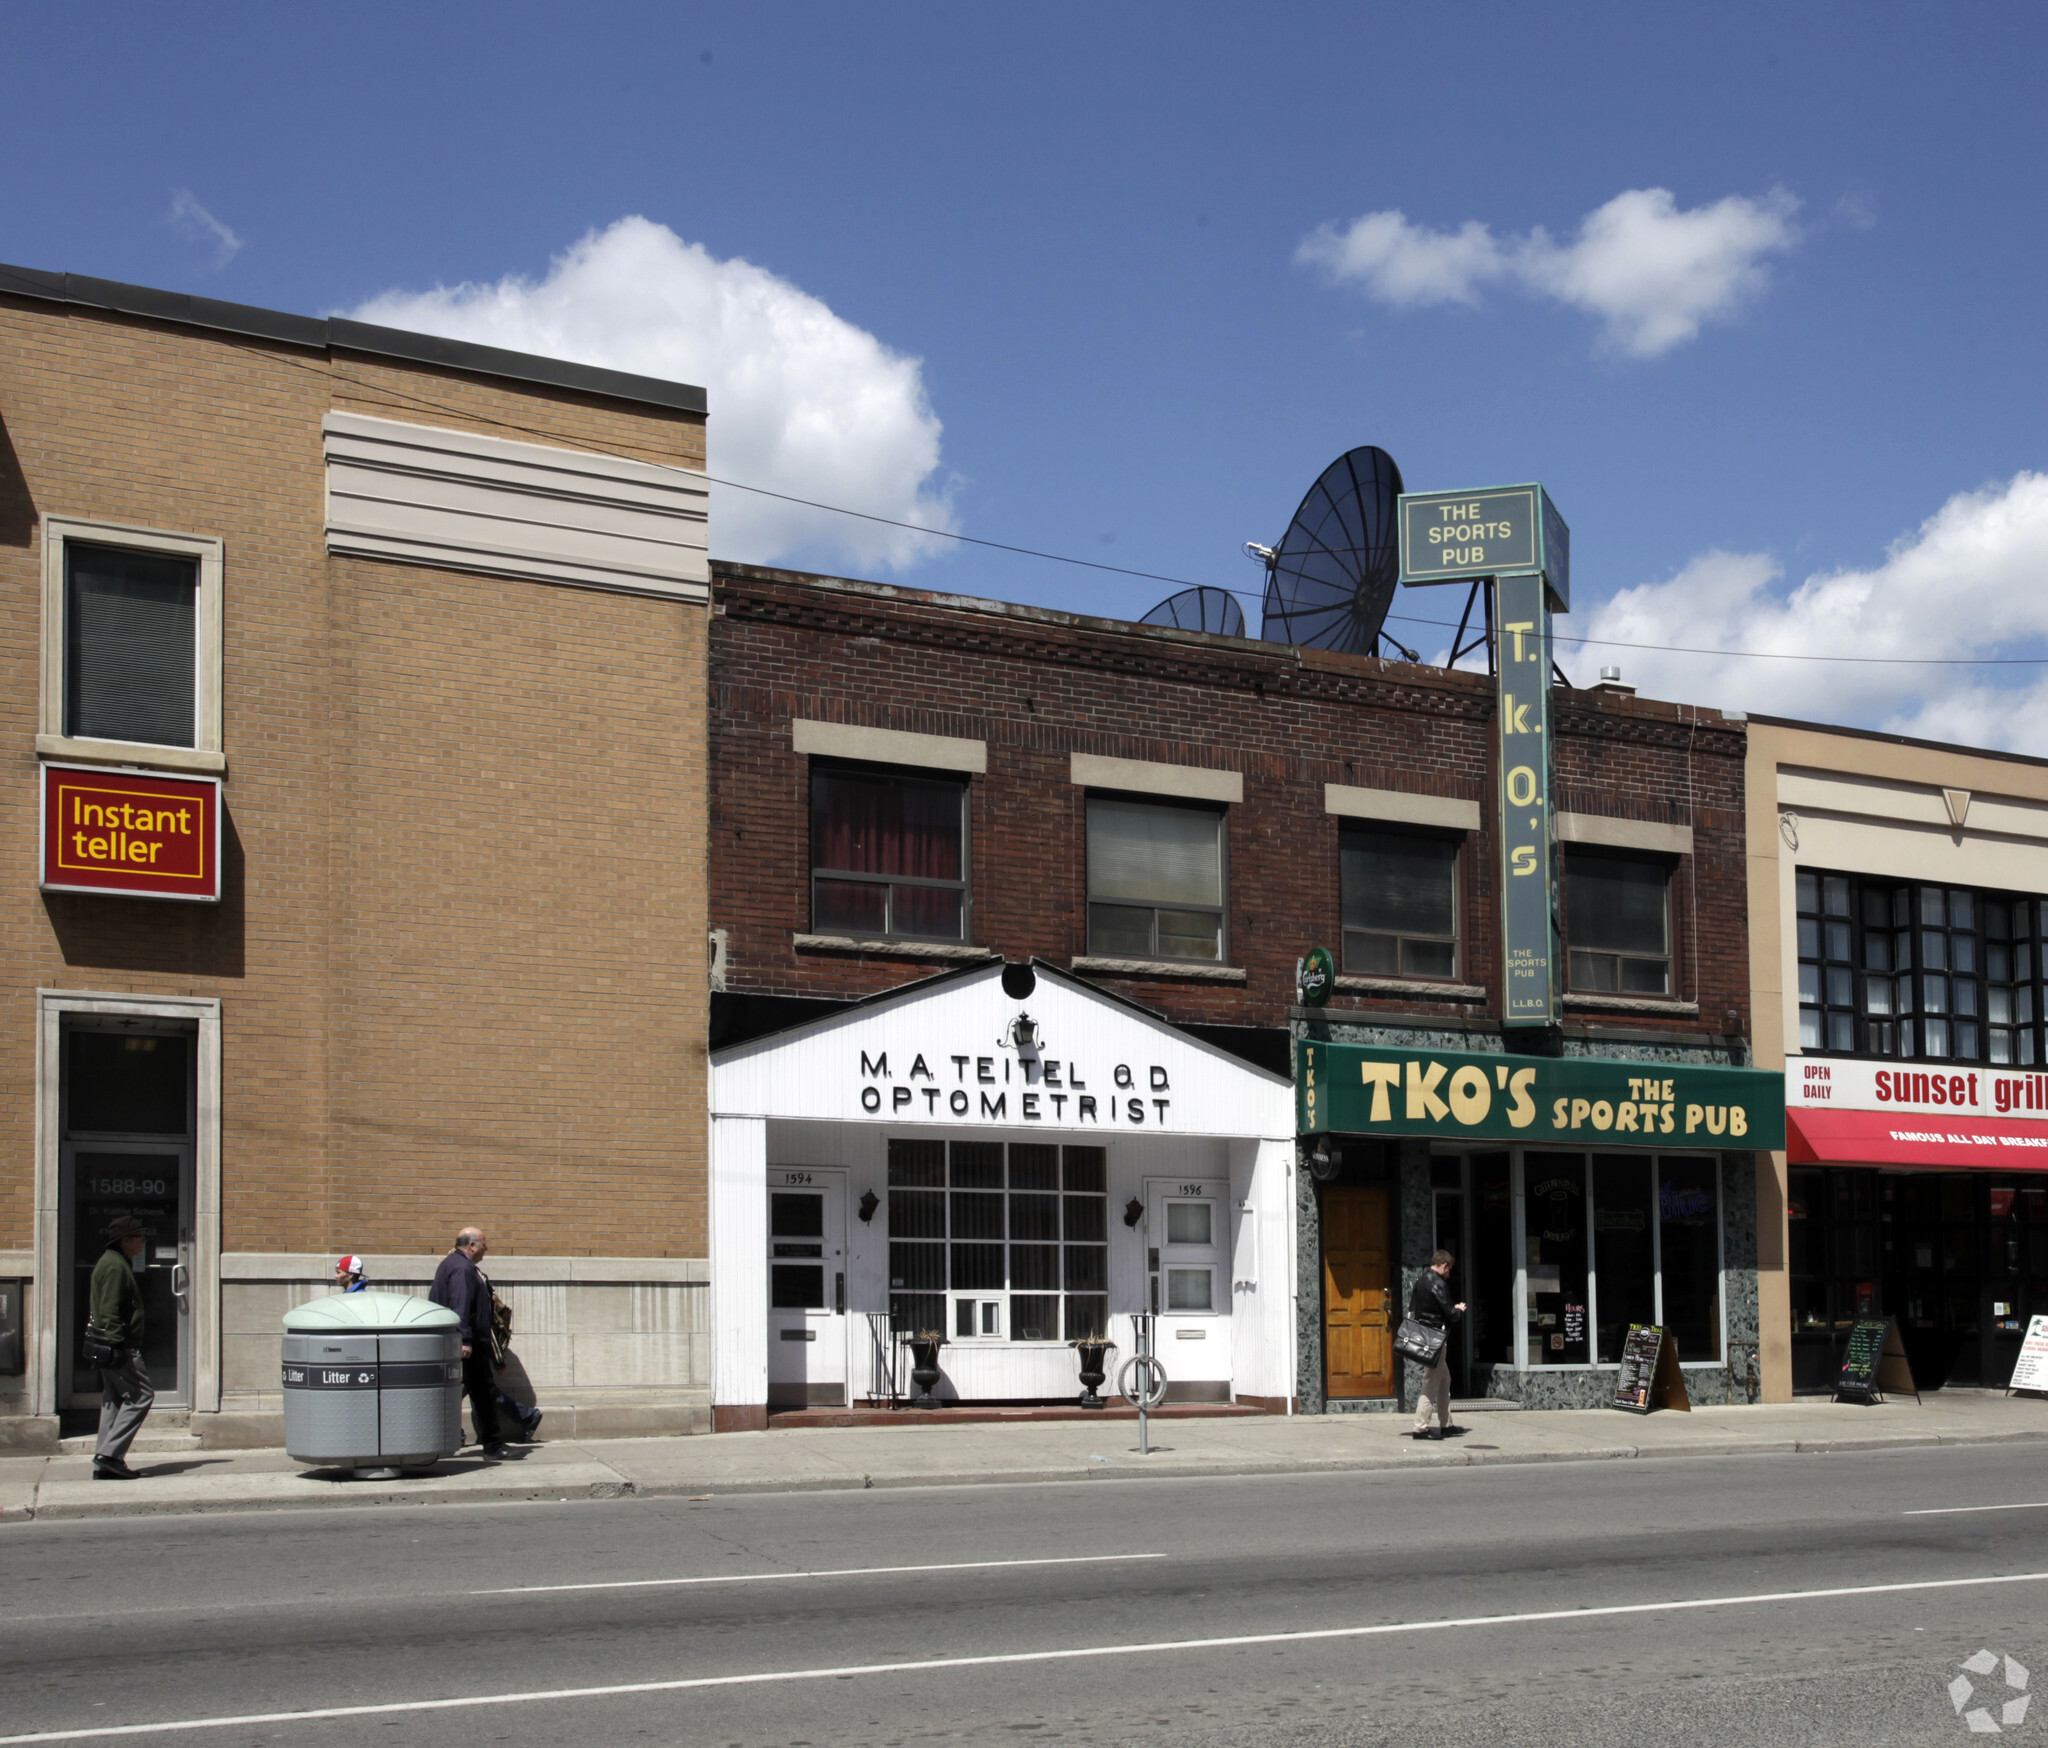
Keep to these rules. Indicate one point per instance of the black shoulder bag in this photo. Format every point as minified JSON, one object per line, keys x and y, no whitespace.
{"x":1419,"y":1342}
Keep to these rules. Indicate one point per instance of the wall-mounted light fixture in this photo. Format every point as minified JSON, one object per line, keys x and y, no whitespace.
{"x":1134,"y":1211}
{"x":869,"y":1202}
{"x":1023,"y":1033}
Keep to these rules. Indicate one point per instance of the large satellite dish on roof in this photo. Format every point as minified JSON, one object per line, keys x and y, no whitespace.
{"x":1331,"y":579}
{"x":1200,"y":609}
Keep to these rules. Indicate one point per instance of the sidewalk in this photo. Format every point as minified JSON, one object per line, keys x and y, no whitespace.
{"x":810,"y":1459}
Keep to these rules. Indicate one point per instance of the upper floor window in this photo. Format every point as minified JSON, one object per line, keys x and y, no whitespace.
{"x":1155,"y":880}
{"x":888,"y":855}
{"x":1617,"y":922}
{"x":1399,"y":893}
{"x":1921,"y":972}
{"x":130,"y":653}
{"x":131,"y":641}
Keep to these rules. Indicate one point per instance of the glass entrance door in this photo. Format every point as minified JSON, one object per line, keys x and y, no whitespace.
{"x":127,"y":1149}
{"x":1450,"y":1235}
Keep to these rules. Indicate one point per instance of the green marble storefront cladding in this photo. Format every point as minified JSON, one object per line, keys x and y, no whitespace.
{"x":1729,"y":1380}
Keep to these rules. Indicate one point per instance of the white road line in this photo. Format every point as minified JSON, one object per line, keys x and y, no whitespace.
{"x":1234,"y":1641}
{"x":1963,"y":1510}
{"x":840,"y":1572}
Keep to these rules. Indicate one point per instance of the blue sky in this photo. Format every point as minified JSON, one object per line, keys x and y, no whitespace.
{"x":1040,"y":275}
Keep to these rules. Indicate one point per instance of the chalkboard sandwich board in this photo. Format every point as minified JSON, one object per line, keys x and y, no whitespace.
{"x":1650,"y":1376}
{"x":1874,"y":1362}
{"x":2030,"y":1371}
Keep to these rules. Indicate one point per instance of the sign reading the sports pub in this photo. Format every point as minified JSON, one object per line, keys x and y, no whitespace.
{"x":1449,"y":537}
{"x":1367,"y":1089}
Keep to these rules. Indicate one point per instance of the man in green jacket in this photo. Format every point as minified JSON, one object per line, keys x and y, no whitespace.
{"x":116,"y":1308}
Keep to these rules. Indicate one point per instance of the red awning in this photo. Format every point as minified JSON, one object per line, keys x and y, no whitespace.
{"x":1824,"y":1137}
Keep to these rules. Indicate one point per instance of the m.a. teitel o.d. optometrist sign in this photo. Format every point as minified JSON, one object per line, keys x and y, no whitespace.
{"x":1364,"y":1089}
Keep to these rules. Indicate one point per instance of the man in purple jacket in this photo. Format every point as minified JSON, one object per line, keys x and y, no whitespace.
{"x":459,"y":1285}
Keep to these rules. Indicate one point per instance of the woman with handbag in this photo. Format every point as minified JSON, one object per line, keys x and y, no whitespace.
{"x":1430,"y":1306}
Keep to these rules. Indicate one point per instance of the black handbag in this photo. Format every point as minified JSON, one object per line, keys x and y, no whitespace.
{"x":1420,"y":1343}
{"x":98,"y":1350}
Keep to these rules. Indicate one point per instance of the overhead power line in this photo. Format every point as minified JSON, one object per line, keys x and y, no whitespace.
{"x":554,"y":437}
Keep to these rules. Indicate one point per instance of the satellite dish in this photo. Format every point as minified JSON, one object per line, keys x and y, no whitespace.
{"x":1330,"y":581}
{"x":1200,"y":609}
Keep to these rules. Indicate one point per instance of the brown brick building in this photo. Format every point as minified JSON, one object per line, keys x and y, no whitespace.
{"x":907,"y":783}
{"x":433,"y":618}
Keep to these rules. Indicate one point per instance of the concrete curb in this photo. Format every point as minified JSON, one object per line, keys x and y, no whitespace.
{"x":341,"y":1496}
{"x":67,"y":1499}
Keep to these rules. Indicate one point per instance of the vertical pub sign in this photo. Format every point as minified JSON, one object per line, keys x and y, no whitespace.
{"x":1522,"y":670}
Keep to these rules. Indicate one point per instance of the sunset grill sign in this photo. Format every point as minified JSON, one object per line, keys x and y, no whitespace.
{"x":130,"y":833}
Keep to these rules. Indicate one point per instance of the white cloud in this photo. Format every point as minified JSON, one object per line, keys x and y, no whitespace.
{"x":1653,"y":273}
{"x":1967,"y":584}
{"x":187,"y":216}
{"x":1405,"y":264}
{"x":802,"y":401}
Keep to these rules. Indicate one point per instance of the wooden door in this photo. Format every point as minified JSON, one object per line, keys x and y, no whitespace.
{"x":1358,"y":1331}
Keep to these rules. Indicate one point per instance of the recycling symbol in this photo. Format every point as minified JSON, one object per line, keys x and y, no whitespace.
{"x":1979,"y":1718}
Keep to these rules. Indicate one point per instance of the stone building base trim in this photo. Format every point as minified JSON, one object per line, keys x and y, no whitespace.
{"x":607,"y":1346}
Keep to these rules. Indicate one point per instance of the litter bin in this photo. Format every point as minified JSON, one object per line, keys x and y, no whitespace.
{"x":372,"y":1381}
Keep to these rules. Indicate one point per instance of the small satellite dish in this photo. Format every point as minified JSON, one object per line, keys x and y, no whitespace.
{"x":1200,"y":609}
{"x":1330,"y":581}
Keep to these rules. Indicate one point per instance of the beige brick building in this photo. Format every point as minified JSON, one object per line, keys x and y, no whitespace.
{"x":434,"y":617}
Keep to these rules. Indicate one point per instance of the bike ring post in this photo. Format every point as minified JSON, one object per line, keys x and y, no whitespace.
{"x":1142,"y":1379}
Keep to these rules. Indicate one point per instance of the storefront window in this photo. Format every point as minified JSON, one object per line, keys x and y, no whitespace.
{"x":1554,"y":1253}
{"x":1624,"y":1247}
{"x":1689,"y":1240}
{"x":1490,"y":1321}
{"x":1015,"y":1239}
{"x":1650,"y":1228}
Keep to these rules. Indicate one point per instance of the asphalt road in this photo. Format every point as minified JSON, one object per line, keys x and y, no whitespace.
{"x":1461,"y":1606}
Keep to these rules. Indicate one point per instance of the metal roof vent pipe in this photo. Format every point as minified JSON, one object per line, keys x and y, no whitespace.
{"x":1610,"y":683}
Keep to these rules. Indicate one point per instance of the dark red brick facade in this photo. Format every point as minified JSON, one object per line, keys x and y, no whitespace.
{"x":1038,"y":686}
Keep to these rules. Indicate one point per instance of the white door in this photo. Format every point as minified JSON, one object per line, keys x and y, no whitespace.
{"x":1186,"y":1246}
{"x":806,"y":1288}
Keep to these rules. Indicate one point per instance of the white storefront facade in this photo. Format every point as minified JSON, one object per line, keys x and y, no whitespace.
{"x":1015,"y":1158}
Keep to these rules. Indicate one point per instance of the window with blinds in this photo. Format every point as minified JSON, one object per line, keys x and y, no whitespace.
{"x":1399,"y":894}
{"x":130,"y":645}
{"x":1155,"y":880}
{"x":1617,"y":923}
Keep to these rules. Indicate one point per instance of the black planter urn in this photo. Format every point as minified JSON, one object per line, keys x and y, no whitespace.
{"x":924,"y":1372}
{"x":1093,"y":1358}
